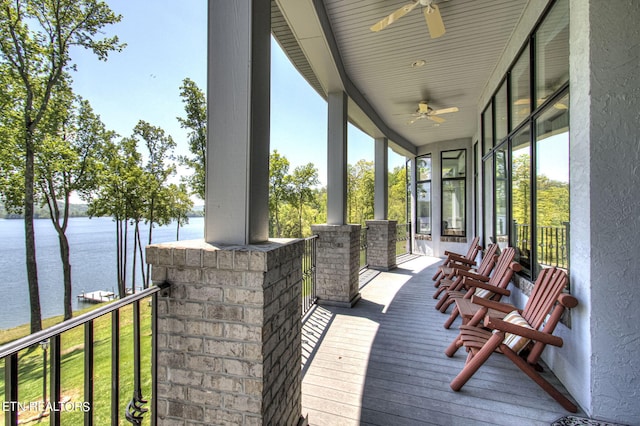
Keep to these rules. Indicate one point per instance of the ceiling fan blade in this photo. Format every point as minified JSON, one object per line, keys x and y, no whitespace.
{"x":423,"y":108}
{"x":434,"y":21}
{"x":445,"y":111}
{"x":415,"y":119}
{"x":385,"y":22}
{"x":436,"y":119}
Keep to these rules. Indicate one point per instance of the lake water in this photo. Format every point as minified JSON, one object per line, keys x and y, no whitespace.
{"x":93,"y":262}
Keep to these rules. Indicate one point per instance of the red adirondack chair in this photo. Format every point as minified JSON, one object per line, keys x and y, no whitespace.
{"x":454,"y":259}
{"x":516,"y":331}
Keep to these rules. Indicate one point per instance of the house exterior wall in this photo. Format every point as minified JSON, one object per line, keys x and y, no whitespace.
{"x":605,"y":201}
{"x":598,"y":363}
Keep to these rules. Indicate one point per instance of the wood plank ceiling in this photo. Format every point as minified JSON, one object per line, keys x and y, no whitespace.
{"x":457,"y":65}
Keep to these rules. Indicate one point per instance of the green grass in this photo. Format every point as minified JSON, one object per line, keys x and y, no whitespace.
{"x":72,"y":367}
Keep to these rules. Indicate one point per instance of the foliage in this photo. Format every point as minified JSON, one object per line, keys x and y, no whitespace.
{"x":302,"y":181}
{"x":278,"y":190}
{"x":68,"y":161}
{"x":360,"y":194}
{"x":398,"y":195}
{"x":195,"y":105}
{"x":35,"y":39}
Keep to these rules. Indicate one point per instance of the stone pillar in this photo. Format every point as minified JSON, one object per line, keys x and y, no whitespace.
{"x":229,"y":344}
{"x":381,"y":244}
{"x":381,"y":190}
{"x":337,"y":264}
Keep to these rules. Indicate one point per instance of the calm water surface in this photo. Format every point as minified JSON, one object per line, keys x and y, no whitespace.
{"x":93,"y":262}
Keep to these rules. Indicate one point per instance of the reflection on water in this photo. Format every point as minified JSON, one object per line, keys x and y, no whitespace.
{"x":93,"y":262}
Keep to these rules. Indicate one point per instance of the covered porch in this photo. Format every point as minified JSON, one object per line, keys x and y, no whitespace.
{"x":382,"y":362}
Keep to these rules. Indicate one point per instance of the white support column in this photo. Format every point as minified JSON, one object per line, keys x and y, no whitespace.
{"x":337,"y":159}
{"x":381,"y":191}
{"x":237,"y":192}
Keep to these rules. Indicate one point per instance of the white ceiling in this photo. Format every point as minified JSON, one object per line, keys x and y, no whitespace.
{"x":331,"y":44}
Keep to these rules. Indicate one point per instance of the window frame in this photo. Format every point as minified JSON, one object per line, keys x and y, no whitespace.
{"x":430,"y":201}
{"x":463,"y":228}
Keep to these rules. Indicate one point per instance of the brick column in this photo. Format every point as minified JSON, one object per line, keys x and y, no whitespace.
{"x":337,"y":264}
{"x":381,"y":244}
{"x":229,"y":345}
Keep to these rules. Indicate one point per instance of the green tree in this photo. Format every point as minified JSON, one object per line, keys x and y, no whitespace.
{"x":195,"y":106}
{"x":35,"y":39}
{"x":302,"y":181}
{"x":157,"y":170}
{"x":279,"y":191}
{"x":398,"y":194}
{"x":69,"y":161}
{"x":361,"y":184}
{"x":121,"y":196}
{"x":179,"y":205}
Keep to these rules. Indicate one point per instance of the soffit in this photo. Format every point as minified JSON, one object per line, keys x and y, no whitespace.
{"x":340,"y":52}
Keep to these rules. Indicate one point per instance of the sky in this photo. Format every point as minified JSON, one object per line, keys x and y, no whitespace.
{"x":166,"y":43}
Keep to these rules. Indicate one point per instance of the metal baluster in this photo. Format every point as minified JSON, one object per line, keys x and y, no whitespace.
{"x":135,"y":410}
{"x":54,"y":399}
{"x":115,"y":366}
{"x":11,"y":389}
{"x":88,"y":372}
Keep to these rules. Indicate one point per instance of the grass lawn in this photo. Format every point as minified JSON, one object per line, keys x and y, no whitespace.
{"x":30,"y":387}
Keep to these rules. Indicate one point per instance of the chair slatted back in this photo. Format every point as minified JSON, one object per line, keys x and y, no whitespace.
{"x":488,"y":260}
{"x":546,"y":291}
{"x":503,"y":270}
{"x":473,"y":249}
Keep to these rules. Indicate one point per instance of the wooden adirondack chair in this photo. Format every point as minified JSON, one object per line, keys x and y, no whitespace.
{"x":453,"y":280}
{"x":493,"y":289}
{"x":454,"y":259}
{"x":516,"y":331}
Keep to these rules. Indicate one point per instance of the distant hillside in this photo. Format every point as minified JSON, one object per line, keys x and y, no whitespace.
{"x":76,"y":210}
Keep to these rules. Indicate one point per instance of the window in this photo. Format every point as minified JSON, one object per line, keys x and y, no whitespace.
{"x":525,"y":164}
{"x":520,"y":89}
{"x":500,"y":197}
{"x":552,"y":185}
{"x":552,"y":52}
{"x":501,"y":107}
{"x":487,"y":129}
{"x":454,"y":165}
{"x":423,"y":185}
{"x":521,"y":197}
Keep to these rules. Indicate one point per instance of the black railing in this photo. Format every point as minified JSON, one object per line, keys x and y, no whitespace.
{"x":403,"y":239}
{"x":50,"y":340}
{"x":552,"y":244}
{"x":363,"y":247}
{"x":309,"y":296}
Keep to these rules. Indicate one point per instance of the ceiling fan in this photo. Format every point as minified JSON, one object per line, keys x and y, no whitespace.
{"x":425,"y":111}
{"x":431,"y":15}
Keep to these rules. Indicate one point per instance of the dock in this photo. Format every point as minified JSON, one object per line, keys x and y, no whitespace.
{"x":97,"y":296}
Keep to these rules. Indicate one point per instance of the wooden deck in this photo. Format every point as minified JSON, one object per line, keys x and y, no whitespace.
{"x":382,"y":363}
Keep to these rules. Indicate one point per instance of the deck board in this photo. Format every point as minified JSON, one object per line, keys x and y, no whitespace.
{"x":382,"y":363}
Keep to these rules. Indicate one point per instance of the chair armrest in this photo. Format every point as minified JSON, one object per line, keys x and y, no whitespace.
{"x":460,"y":259}
{"x":491,"y":304}
{"x":507,"y":327}
{"x":472,"y":275}
{"x":447,"y":253}
{"x":492,"y":288}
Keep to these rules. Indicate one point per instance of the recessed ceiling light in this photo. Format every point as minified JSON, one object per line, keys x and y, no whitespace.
{"x":417,"y":64}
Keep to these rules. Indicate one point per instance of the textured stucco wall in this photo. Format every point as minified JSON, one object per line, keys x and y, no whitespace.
{"x":605,"y":200}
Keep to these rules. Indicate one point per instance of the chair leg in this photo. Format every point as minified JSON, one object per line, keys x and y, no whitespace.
{"x":452,"y":317}
{"x":530,"y":371}
{"x":438,"y":291}
{"x":442,"y":300}
{"x":453,"y":347}
{"x":437,"y":274}
{"x":476,"y":362}
{"x":446,"y":303}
